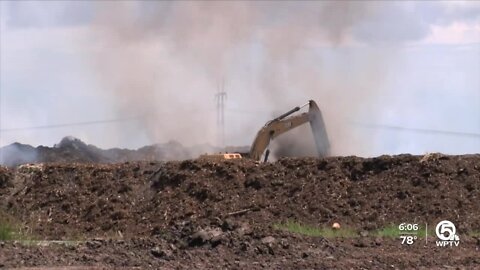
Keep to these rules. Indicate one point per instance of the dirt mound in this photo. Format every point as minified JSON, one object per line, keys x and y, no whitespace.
{"x":232,"y":206}
{"x":280,"y":251}
{"x":142,"y":197}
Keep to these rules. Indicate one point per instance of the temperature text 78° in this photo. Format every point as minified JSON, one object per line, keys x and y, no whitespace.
{"x":408,"y":239}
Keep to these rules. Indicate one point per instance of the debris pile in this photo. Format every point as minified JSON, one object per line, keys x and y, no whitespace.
{"x":223,"y":214}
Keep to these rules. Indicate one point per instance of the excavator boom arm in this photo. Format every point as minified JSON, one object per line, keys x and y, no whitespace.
{"x":283,"y":124}
{"x":272,"y":130}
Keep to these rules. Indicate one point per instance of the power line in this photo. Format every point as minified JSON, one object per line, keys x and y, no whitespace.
{"x":220,"y":120}
{"x":86,"y":123}
{"x":256,"y":112}
{"x":419,"y":130}
{"x":93,"y":122}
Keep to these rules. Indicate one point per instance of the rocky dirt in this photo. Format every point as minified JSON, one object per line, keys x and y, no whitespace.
{"x":205,"y":214}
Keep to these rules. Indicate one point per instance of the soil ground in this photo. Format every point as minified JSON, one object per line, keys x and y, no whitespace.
{"x":210,"y":215}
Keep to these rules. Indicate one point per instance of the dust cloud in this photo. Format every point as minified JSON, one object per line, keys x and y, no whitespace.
{"x":163,"y":61}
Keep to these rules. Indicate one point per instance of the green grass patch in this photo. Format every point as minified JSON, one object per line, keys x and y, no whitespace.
{"x":11,"y":229}
{"x":296,"y":227}
{"x":390,"y":231}
{"x":7,"y":232}
{"x":393,"y":231}
{"x":474,"y":234}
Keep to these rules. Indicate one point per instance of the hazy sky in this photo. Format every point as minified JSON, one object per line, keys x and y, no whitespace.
{"x":409,"y":64}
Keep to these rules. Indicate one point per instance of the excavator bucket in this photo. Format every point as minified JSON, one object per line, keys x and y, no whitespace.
{"x":318,"y":129}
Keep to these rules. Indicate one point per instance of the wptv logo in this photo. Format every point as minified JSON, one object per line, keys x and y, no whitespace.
{"x":447,"y":233}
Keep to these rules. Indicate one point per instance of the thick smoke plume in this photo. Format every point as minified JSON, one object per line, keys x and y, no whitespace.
{"x":163,"y":61}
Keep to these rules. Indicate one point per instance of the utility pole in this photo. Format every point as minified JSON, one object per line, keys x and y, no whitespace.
{"x":221,"y":97}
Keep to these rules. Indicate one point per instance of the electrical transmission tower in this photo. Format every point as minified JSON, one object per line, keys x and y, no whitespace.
{"x":221,"y":97}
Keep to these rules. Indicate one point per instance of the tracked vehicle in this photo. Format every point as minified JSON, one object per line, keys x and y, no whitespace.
{"x":280,"y":125}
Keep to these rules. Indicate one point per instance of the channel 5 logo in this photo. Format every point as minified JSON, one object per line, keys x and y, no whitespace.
{"x":447,"y":233}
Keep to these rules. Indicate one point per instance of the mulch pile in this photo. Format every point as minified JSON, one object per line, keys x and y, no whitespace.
{"x":168,"y":210}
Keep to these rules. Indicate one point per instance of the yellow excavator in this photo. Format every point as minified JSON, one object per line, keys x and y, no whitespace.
{"x":280,"y":125}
